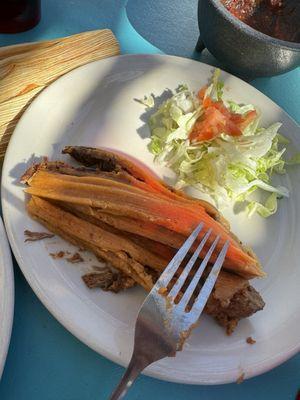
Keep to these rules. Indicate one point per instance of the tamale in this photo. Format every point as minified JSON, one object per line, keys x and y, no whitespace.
{"x":232,"y":299}
{"x":146,"y":206}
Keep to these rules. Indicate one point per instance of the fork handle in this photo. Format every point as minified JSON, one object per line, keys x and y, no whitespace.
{"x":132,"y":372}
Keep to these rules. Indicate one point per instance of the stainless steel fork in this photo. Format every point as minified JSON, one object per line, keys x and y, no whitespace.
{"x":163,"y":323}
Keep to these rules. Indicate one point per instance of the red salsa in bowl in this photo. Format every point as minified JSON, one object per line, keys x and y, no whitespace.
{"x":277,"y":18}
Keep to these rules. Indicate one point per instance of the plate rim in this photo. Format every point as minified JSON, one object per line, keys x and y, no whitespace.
{"x":76,"y":330}
{"x":7,"y":297}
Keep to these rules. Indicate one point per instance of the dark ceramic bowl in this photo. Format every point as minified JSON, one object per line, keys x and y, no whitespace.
{"x":239,"y":47}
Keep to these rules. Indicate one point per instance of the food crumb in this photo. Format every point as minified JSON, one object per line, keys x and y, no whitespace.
{"x":163,"y":291}
{"x":59,"y":254}
{"x":106,"y":279}
{"x":169,"y":302}
{"x":34,"y":236}
{"x":75,"y":258}
{"x":250,"y":340}
{"x":241,"y":378}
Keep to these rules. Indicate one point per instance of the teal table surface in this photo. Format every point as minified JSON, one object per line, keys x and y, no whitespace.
{"x":45,"y":362}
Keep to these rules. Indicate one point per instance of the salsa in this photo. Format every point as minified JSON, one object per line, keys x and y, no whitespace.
{"x":277,"y":18}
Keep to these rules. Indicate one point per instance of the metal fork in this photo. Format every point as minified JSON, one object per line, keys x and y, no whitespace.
{"x":163,"y":323}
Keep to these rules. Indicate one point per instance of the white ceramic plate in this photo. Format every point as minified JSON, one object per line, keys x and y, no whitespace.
{"x":94,"y":105}
{"x":6,"y":296}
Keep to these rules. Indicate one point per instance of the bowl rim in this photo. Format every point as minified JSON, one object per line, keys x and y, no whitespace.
{"x":251,"y":31}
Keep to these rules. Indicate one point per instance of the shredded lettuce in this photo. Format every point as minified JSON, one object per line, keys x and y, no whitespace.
{"x":215,"y":89}
{"x":228,"y":168}
{"x":239,"y":109}
{"x":269,"y":208}
{"x":147,"y":101}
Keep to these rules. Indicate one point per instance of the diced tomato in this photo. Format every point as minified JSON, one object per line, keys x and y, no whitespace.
{"x":247,"y":119}
{"x":221,"y":107}
{"x":207,"y":102}
{"x":232,"y":128}
{"x":210,"y":125}
{"x":201,"y":92}
{"x":217,"y":119}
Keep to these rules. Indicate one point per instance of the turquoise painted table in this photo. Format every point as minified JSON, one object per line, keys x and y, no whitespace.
{"x":45,"y":362}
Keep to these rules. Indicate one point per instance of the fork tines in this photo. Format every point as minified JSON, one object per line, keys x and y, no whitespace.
{"x":183,"y":289}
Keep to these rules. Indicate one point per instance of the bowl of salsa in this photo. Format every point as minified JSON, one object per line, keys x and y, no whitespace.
{"x":252,"y":37}
{"x":276,"y":18}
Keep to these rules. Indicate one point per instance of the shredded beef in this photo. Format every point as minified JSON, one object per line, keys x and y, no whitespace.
{"x":107,"y":280}
{"x":35,"y":236}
